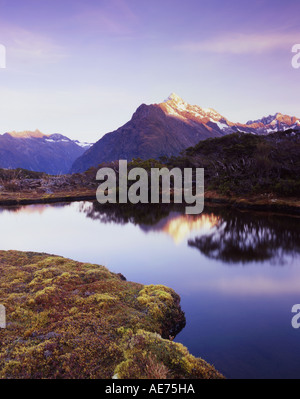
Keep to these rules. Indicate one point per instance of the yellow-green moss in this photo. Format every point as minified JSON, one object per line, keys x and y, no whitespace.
{"x":157,"y":299}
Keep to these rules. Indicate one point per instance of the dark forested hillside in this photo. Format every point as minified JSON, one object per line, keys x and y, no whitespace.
{"x":242,"y":163}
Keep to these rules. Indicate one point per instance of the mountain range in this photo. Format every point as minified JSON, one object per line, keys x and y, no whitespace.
{"x":167,"y":128}
{"x":155,"y":130}
{"x":52,"y":154}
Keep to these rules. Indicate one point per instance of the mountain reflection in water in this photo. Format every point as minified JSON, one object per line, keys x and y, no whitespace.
{"x":224,"y":234}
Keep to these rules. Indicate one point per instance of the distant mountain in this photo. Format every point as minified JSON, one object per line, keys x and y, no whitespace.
{"x":267,"y":125}
{"x":53,"y":154}
{"x":167,"y":128}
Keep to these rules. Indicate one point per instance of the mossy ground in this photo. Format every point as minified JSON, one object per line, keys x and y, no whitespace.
{"x":147,"y":355}
{"x":67,"y":319}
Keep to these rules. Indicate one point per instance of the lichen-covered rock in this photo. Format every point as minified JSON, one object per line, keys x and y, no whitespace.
{"x":68,"y":319}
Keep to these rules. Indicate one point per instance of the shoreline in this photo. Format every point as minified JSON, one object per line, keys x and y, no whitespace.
{"x":289,"y":206}
{"x":263,"y":203}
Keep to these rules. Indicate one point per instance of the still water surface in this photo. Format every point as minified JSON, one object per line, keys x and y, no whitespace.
{"x":238,"y":273}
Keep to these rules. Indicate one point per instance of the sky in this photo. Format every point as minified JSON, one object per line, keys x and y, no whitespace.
{"x":82,"y":67}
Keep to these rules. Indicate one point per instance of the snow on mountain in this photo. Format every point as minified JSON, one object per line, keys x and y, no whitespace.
{"x":175,"y":106}
{"x":59,"y":138}
{"x":83,"y":144}
{"x":274,"y":123}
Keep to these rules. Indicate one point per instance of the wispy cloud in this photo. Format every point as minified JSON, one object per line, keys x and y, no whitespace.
{"x":239,"y":43}
{"x":27,"y":46}
{"x":114,"y":17}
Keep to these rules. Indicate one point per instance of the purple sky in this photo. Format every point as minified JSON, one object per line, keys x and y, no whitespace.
{"x":82,"y":67}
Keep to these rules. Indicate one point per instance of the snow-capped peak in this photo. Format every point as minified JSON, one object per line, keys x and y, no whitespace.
{"x":175,"y":98}
{"x":176,"y":106}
